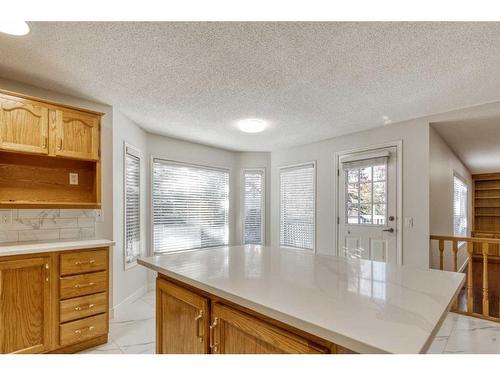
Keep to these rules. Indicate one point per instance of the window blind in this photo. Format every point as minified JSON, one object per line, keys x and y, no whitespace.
{"x":132,"y":220}
{"x":190,"y":206}
{"x":297,"y":206}
{"x":459,"y":207}
{"x":253,"y":185}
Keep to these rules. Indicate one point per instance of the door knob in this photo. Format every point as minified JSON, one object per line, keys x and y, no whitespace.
{"x":390,"y":230}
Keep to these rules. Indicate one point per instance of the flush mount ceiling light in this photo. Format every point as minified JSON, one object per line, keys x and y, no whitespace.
{"x":252,"y":125}
{"x":14,"y":27}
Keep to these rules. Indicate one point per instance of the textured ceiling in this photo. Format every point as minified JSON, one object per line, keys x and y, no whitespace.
{"x":311,"y":81}
{"x":475,"y":141}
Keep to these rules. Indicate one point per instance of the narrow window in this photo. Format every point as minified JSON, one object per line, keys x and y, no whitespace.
{"x":253,"y":206}
{"x":132,"y":212}
{"x":459,"y":207}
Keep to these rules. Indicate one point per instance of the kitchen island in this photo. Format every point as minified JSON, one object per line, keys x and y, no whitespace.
{"x":258,"y":299}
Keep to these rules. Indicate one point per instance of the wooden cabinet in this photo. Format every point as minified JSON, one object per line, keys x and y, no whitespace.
{"x":42,"y":310}
{"x":24,"y":125}
{"x":181,"y":320}
{"x":25,"y":305}
{"x":76,"y":134}
{"x":183,"y":314}
{"x":49,"y":154}
{"x":235,"y":332}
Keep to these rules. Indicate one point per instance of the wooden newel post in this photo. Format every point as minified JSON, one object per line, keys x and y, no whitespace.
{"x":455,"y":268}
{"x":441,"y":254}
{"x":486,"y":305}
{"x":470,"y":284}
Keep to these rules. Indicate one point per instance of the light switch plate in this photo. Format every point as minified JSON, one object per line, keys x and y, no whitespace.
{"x":73,"y":178}
{"x":5,"y":217}
{"x":408,"y":222}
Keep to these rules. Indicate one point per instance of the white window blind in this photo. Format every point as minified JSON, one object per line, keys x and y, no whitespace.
{"x":459,"y":207}
{"x":132,"y":220}
{"x":297,"y":206}
{"x":190,"y":206}
{"x":253,"y":221}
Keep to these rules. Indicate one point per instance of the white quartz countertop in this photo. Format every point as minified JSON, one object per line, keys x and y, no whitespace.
{"x":32,"y":247}
{"x":369,"y":307}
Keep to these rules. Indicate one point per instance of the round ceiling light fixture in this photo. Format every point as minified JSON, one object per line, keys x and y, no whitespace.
{"x":252,"y":125}
{"x":18,"y":28}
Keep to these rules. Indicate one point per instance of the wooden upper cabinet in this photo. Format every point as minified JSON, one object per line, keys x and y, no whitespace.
{"x":234,"y":332}
{"x":181,"y":320}
{"x":75,"y":134}
{"x":25,"y":305}
{"x":24,"y":125}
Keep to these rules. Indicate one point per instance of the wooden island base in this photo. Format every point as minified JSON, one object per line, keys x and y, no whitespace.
{"x":191,"y":321}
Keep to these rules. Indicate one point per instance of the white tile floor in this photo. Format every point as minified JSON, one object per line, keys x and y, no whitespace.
{"x":133,"y":332}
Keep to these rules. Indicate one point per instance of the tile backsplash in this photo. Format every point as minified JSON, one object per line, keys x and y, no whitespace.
{"x":48,"y":224}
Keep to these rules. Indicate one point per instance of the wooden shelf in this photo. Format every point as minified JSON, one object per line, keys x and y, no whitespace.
{"x":487,"y":215}
{"x":497,"y":197}
{"x":488,"y":188}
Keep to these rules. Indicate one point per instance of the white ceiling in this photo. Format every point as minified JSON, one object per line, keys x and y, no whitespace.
{"x":475,"y":141}
{"x":311,"y":81}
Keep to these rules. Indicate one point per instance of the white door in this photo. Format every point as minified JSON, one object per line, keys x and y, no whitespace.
{"x":367,"y":205}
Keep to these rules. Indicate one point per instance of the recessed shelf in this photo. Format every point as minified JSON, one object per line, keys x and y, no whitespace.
{"x":488,"y":188}
{"x":496,"y":197}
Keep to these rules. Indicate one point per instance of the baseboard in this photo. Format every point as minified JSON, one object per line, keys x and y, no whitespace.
{"x":129,"y":300}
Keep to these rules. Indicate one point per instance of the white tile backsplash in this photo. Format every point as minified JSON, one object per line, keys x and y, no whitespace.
{"x":48,"y":224}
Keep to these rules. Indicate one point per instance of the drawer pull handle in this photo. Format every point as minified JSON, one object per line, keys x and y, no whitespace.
{"x":212,"y":343}
{"x":83,"y":285}
{"x":80,"y":262}
{"x":80,"y":308}
{"x":198,"y":319}
{"x":79,"y":331}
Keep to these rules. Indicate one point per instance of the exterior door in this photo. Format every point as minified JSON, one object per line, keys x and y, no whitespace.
{"x":25,"y":301}
{"x":234,"y":332}
{"x":24,"y":126}
{"x":181,"y":320}
{"x":367,"y":221}
{"x":76,"y":135}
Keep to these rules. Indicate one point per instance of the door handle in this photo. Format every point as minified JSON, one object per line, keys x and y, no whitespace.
{"x":390,"y":230}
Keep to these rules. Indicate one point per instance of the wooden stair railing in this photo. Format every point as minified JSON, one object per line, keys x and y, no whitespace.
{"x":484,"y":244}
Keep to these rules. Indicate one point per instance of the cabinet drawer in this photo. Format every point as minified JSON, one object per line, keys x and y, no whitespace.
{"x":84,"y":261}
{"x":82,"y":307}
{"x":83,"y":329}
{"x":81,"y":285}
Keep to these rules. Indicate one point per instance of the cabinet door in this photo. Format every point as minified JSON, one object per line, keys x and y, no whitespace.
{"x":181,"y":320}
{"x":24,"y":126}
{"x":76,"y":134}
{"x":234,"y":332}
{"x":25,"y":301}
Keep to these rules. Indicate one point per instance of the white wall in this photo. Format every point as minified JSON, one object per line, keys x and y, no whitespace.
{"x":415,"y":139}
{"x":133,"y":282}
{"x":443,"y":163}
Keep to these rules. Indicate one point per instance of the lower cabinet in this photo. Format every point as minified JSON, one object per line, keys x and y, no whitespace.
{"x":54,"y":302}
{"x":192,"y":322}
{"x":181,"y":320}
{"x":26,"y":305}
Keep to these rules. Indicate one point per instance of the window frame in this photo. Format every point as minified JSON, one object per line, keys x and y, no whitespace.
{"x":263,"y":205}
{"x":188,"y":164}
{"x":136,"y":152}
{"x":467,"y":202}
{"x":298,"y":166}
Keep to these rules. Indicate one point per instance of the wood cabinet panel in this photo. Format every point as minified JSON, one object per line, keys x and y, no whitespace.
{"x":25,"y":305}
{"x":83,"y":261}
{"x":234,"y":332}
{"x":76,"y":135}
{"x":24,"y":125}
{"x":182,"y":320}
{"x":81,"y":307}
{"x":83,"y":329}
{"x":81,"y":285}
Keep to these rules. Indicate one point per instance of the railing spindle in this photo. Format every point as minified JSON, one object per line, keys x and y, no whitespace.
{"x":470,"y":280}
{"x":441,"y":254}
{"x":486,"y":305}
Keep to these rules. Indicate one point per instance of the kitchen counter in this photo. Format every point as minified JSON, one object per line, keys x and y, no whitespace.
{"x":32,"y":247}
{"x":368,"y":307}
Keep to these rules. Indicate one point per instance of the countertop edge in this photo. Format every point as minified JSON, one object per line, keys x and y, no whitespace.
{"x":45,"y":247}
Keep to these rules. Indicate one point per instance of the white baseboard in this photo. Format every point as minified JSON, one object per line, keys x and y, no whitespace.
{"x":129,"y":300}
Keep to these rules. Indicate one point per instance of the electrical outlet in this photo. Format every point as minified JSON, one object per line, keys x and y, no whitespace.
{"x":73,"y":178}
{"x":99,"y":216}
{"x":5,"y":217}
